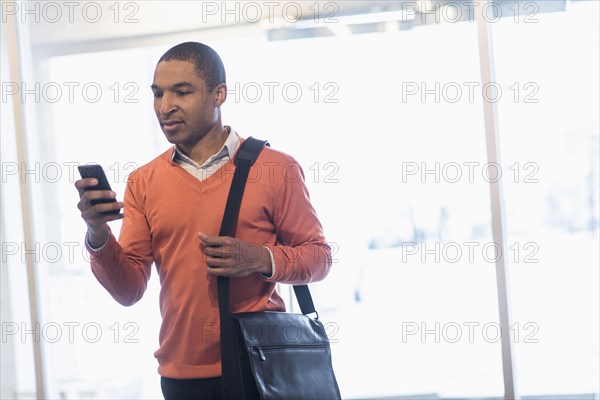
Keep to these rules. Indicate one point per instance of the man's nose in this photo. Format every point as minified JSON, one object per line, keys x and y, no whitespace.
{"x":166,"y":106}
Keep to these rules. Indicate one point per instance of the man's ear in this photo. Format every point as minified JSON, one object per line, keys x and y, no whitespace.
{"x":220,"y":94}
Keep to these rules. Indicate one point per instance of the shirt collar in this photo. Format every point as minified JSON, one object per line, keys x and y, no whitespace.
{"x":227,"y":151}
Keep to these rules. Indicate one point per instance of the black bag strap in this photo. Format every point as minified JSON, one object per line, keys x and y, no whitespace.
{"x":230,"y":385}
{"x":246,"y":156}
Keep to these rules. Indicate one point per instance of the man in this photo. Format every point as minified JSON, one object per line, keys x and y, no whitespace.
{"x":173,"y":207}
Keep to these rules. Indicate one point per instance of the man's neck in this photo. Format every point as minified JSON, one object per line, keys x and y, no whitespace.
{"x":210,"y":144}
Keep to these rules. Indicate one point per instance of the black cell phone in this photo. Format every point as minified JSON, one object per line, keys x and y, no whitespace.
{"x":96,"y":171}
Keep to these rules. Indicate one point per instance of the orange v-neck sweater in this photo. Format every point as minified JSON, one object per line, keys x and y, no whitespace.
{"x":166,"y":207}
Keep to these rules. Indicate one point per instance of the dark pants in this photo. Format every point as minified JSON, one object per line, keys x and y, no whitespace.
{"x":191,"y":389}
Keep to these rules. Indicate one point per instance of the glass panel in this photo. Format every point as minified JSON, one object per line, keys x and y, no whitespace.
{"x":414,"y":250}
{"x":107,"y":119}
{"x":547,"y":67}
{"x":392,"y":145}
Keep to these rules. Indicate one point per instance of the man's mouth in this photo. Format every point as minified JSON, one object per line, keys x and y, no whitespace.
{"x":171,"y":125}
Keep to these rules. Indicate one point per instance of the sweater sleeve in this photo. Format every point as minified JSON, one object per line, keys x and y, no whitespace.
{"x":301,"y":253}
{"x":123,"y":267}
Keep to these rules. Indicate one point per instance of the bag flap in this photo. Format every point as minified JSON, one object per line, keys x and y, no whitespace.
{"x":272,"y":328}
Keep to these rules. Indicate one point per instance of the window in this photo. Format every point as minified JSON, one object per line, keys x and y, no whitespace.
{"x":549,"y":134}
{"x":389,"y":130}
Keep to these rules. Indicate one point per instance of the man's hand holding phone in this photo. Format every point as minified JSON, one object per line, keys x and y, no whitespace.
{"x":97,"y":203}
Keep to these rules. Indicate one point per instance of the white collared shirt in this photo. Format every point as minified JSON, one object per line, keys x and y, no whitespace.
{"x":214,"y":162}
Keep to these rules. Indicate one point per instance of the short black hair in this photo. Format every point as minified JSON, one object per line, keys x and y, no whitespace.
{"x":207,"y":63}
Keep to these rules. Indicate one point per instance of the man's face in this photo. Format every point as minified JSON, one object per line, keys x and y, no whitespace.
{"x":185,"y":109}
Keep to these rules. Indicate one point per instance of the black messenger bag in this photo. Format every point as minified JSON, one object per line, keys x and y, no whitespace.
{"x":269,"y":354}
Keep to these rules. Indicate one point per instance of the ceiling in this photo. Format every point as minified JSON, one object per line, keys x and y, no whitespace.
{"x":71,"y":27}
{"x":57,"y":22}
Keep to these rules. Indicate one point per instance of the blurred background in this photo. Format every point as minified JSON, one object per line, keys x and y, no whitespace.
{"x":384,"y":104}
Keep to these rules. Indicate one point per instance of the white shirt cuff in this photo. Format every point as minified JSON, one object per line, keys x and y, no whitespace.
{"x":89,"y":245}
{"x":272,"y":266}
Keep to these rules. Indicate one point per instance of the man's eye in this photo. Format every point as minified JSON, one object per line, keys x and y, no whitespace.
{"x":157,"y":95}
{"x":182,"y":93}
